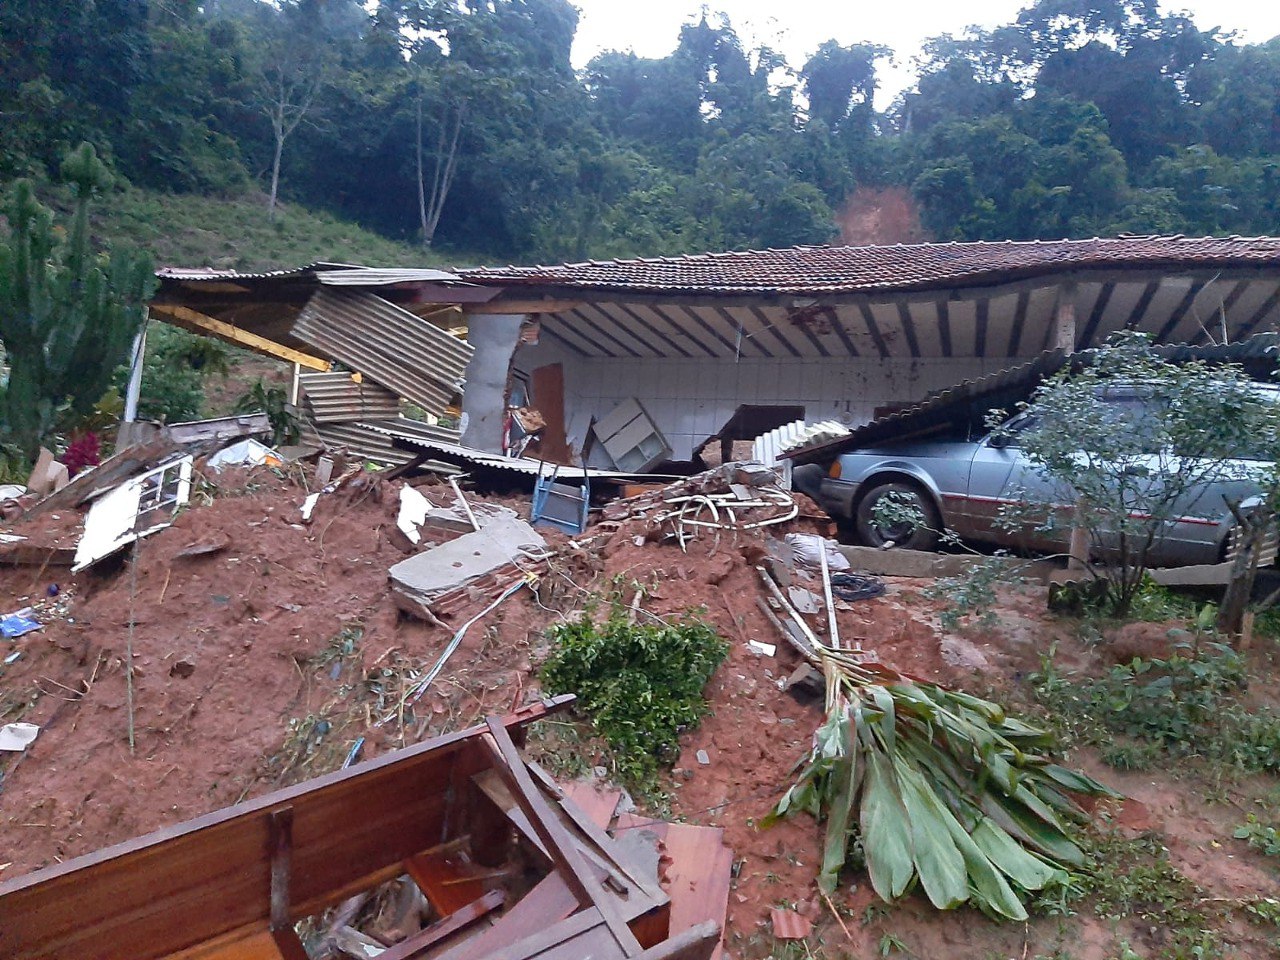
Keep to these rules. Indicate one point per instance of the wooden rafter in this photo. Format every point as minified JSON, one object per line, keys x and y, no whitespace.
{"x":204,"y":323}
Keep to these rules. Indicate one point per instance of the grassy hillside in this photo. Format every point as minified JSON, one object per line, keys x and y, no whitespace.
{"x":234,"y":233}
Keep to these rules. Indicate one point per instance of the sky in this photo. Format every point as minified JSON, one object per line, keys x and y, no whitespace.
{"x":797,"y":27}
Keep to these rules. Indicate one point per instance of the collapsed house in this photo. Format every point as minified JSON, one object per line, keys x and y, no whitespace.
{"x":626,"y":365}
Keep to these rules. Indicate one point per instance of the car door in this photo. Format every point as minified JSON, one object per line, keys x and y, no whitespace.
{"x":1000,"y":479}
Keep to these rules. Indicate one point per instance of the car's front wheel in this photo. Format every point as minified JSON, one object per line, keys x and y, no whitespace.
{"x":897,"y":513}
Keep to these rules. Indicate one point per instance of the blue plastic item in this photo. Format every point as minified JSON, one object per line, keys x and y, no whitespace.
{"x":557,"y":504}
{"x":16,"y":624}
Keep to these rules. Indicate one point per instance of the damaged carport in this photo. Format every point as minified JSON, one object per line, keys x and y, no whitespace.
{"x":708,"y":345}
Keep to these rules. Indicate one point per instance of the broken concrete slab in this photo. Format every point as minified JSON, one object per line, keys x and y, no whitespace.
{"x":455,"y":519}
{"x":418,"y":581}
{"x":48,"y":475}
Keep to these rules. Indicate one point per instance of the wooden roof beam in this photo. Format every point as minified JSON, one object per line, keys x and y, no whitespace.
{"x":203,"y":323}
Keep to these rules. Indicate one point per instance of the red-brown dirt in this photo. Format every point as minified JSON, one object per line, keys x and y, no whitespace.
{"x":241,"y":656}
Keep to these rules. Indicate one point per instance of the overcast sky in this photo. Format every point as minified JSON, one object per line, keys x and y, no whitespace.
{"x":796,"y":27}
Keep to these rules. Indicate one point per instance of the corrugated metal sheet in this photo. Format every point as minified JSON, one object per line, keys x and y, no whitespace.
{"x":376,"y":277}
{"x":387,"y":344}
{"x":198,"y":274}
{"x":408,"y":432}
{"x":963,"y":408}
{"x":363,"y":441}
{"x":337,"y":398}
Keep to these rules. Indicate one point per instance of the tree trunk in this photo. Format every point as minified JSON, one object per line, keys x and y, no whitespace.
{"x":446,"y":166}
{"x":422,"y":185}
{"x":1244,"y":569}
{"x":275,"y":176}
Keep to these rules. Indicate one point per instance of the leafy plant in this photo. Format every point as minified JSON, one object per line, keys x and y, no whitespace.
{"x":1133,"y":441}
{"x":641,"y":685}
{"x":1263,"y":837}
{"x":274,"y":401}
{"x":1185,"y":705}
{"x":942,"y":788}
{"x":67,"y":315}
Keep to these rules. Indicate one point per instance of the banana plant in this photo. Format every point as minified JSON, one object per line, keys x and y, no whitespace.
{"x":943,"y":790}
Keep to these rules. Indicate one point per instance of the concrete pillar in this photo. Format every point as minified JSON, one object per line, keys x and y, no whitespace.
{"x":1064,"y":320}
{"x":495,"y":337}
{"x":134,"y":388}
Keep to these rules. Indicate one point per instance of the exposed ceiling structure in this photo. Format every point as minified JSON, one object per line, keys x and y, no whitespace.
{"x":919,"y":301}
{"x":1007,"y":300}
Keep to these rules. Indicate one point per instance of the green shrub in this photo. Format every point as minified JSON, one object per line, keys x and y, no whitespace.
{"x":1186,"y":705}
{"x":640,"y":685}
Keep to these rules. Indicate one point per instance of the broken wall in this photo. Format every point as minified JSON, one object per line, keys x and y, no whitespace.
{"x":494,"y":337}
{"x":691,"y":399}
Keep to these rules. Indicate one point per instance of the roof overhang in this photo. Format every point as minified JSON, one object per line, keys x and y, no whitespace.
{"x":962,"y":410}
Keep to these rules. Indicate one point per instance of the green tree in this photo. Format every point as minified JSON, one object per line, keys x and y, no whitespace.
{"x":67,"y":314}
{"x":1135,"y":441}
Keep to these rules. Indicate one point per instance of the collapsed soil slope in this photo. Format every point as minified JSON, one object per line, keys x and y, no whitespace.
{"x":265,"y":648}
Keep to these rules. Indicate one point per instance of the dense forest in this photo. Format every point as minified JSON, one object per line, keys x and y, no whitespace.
{"x":462,"y":123}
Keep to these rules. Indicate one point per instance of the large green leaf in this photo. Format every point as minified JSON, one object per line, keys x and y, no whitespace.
{"x":1022,"y":824}
{"x":989,"y":889}
{"x":886,"y":836}
{"x":938,"y":861}
{"x":1025,"y":869}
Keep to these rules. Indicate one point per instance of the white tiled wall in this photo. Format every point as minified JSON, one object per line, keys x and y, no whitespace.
{"x":691,"y":399}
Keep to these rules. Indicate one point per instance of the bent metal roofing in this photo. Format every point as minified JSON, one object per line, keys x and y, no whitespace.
{"x":843,"y":269}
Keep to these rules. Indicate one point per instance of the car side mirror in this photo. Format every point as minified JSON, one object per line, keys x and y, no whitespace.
{"x":998,"y":441}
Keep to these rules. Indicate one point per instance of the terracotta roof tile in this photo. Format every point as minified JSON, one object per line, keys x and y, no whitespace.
{"x":900,"y":267}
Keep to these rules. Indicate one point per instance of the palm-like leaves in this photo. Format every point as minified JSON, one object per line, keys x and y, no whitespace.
{"x":942,"y":787}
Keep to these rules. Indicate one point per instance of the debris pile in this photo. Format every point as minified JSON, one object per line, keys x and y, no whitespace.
{"x":282,"y":618}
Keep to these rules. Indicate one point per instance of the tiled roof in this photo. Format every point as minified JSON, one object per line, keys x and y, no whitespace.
{"x":801,"y":270}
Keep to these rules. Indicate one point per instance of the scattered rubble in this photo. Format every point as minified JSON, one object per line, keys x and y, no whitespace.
{"x":266,"y":650}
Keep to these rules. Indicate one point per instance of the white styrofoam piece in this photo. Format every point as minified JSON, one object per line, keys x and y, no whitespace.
{"x":16,"y":737}
{"x":413,"y":512}
{"x":247,"y":451}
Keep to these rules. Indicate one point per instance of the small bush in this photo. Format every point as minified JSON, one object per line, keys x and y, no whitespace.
{"x":640,"y":685}
{"x":1185,"y":705}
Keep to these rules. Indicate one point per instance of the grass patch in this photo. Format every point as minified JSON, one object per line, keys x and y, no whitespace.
{"x":233,"y":232}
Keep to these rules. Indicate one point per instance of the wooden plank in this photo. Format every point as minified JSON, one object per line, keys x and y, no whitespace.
{"x":874,"y":330}
{"x":542,"y":907}
{"x":443,"y":929}
{"x":449,"y":883}
{"x":1019,"y":321}
{"x":280,"y":832}
{"x":202,"y":322}
{"x":700,"y":942}
{"x":290,"y":947}
{"x":558,"y":843}
{"x":596,"y":803}
{"x":253,"y":946}
{"x":698,"y":877}
{"x":1095,"y":315}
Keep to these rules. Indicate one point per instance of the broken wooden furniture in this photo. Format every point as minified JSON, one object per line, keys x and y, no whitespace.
{"x":509,"y":866}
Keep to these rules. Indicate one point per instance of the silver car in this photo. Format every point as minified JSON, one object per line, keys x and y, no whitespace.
{"x":967,"y":487}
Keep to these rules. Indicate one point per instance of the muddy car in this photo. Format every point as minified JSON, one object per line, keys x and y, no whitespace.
{"x":967,"y":487}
